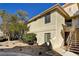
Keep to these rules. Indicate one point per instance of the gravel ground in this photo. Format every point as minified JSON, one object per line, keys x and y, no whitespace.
{"x":27,"y":51}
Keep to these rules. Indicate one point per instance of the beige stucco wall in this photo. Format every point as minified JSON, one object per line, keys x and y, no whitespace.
{"x":71,"y":9}
{"x":40,"y":26}
{"x":75,"y":22}
{"x":58,"y":40}
{"x":55,"y":27}
{"x":40,"y":37}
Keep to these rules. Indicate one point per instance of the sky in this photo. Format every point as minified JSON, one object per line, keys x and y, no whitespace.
{"x":31,"y":8}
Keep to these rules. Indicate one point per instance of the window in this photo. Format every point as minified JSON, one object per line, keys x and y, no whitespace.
{"x":47,"y":37}
{"x":47,"y":18}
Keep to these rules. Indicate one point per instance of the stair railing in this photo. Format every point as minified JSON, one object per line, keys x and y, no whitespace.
{"x":70,"y":38}
{"x":69,"y":42}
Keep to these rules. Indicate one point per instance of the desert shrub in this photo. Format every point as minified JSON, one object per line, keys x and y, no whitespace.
{"x":29,"y":37}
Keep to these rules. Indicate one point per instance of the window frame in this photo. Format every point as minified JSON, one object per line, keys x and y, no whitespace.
{"x":47,"y":18}
{"x":47,"y":37}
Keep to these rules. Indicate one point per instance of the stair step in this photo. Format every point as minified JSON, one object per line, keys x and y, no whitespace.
{"x":75,"y":45}
{"x":77,"y":52}
{"x":74,"y":49}
{"x":74,"y":40}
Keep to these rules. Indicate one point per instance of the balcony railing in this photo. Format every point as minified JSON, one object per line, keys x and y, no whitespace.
{"x":67,"y":28}
{"x":68,"y":24}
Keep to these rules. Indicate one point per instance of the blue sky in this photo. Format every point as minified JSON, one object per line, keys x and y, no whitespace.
{"x":32,"y":8}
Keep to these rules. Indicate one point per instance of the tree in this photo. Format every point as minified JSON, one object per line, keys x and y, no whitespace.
{"x":5,"y":18}
{"x":13,"y":24}
{"x":20,"y":28}
{"x":22,"y":14}
{"x":4,"y":25}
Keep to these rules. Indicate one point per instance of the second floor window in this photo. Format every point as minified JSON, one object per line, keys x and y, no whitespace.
{"x":47,"y":18}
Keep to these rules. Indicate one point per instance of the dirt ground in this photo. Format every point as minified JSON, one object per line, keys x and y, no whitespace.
{"x":31,"y":50}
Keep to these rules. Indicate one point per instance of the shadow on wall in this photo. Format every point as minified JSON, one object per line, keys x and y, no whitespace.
{"x":63,"y":32}
{"x":46,"y":46}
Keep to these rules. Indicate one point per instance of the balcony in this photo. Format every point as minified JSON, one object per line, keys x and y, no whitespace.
{"x":67,"y":27}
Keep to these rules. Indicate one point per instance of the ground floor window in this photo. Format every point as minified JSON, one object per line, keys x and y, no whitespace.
{"x":47,"y":37}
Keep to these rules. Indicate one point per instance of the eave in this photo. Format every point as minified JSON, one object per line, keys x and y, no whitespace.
{"x":56,"y":7}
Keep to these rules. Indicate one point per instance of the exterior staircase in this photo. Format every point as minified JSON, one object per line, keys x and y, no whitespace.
{"x":73,"y":41}
{"x":75,"y":47}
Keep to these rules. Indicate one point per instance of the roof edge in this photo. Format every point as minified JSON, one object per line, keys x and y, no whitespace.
{"x":46,"y":11}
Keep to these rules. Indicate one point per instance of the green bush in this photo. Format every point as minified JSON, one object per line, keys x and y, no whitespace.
{"x":28,"y":37}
